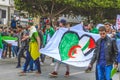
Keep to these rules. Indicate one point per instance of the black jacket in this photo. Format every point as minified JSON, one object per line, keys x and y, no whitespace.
{"x":110,"y":51}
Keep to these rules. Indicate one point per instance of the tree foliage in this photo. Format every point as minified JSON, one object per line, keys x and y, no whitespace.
{"x":99,"y":9}
{"x":93,"y":9}
{"x":45,"y":7}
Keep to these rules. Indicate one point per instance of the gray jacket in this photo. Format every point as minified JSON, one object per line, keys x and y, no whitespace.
{"x":110,"y":51}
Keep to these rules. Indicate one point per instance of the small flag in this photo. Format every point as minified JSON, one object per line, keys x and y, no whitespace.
{"x":10,"y":40}
{"x":114,"y":70}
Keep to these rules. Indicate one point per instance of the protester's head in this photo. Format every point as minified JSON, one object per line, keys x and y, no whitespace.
{"x":68,"y":25}
{"x":14,"y":31}
{"x":62,"y":23}
{"x":11,"y":32}
{"x":113,"y":31}
{"x":102,"y":32}
{"x":47,"y":26}
{"x":85,"y":26}
{"x":108,"y":27}
{"x":9,"y":29}
{"x":90,"y":26}
{"x":19,"y":28}
{"x":5,"y":29}
{"x":107,"y":24}
{"x":31,"y":23}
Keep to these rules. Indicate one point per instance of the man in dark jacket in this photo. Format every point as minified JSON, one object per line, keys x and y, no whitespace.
{"x":22,"y":45}
{"x":105,"y":55}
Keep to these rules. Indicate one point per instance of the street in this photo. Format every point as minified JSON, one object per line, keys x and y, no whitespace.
{"x":9,"y":72}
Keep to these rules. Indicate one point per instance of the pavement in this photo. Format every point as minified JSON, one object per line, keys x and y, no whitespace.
{"x":9,"y":72}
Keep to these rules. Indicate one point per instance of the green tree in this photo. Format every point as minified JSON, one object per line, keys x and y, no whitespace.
{"x":98,"y":9}
{"x":93,"y":9}
{"x":47,"y":8}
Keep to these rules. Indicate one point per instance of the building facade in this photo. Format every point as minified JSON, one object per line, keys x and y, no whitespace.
{"x":6,"y":11}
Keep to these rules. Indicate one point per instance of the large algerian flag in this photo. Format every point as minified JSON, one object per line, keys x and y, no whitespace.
{"x":10,"y":40}
{"x":74,"y":47}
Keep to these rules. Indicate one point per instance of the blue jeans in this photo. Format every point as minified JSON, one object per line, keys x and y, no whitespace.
{"x":104,"y":72}
{"x":4,"y":46}
{"x":14,"y":50}
{"x":27,"y":62}
{"x":31,"y":67}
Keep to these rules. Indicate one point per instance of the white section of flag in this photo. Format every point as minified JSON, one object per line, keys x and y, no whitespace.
{"x":12,"y":42}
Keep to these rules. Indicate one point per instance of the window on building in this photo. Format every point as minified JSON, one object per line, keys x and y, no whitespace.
{"x":3,"y":13}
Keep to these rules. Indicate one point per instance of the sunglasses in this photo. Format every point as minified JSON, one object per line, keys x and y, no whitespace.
{"x":102,"y":33}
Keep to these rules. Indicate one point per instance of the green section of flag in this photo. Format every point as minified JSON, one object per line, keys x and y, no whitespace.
{"x":9,"y":38}
{"x":114,"y":70}
{"x":69,"y":39}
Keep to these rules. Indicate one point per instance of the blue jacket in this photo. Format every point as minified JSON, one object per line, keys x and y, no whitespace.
{"x":13,"y":24}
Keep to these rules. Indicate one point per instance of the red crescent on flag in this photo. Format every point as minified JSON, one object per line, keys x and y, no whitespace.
{"x":73,"y":51}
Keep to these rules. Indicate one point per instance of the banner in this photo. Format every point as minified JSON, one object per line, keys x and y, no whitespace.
{"x":74,"y":47}
{"x":118,"y":22}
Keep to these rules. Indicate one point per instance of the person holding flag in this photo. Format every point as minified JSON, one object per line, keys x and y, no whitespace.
{"x":62,"y":24}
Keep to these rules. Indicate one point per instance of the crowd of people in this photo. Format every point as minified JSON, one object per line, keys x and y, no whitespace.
{"x":23,"y":50}
{"x":32,"y":38}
